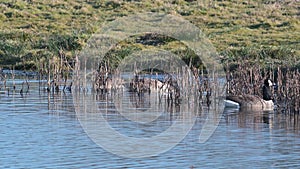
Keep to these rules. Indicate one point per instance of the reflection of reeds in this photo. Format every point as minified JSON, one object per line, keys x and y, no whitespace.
{"x":244,"y":78}
{"x":183,"y":83}
{"x":254,"y":119}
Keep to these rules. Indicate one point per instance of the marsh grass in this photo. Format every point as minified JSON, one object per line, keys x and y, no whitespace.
{"x":30,"y":29}
{"x":248,"y":78}
{"x":254,"y":38}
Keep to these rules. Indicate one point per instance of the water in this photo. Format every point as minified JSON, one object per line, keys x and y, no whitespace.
{"x":38,"y":130}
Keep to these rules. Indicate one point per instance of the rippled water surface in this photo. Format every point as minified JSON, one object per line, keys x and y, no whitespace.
{"x":41,"y":130}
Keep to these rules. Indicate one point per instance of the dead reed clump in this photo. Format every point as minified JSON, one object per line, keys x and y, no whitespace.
{"x":56,"y":71}
{"x":248,"y":78}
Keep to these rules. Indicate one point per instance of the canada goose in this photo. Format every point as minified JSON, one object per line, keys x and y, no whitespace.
{"x":166,"y":88}
{"x":252,"y":101}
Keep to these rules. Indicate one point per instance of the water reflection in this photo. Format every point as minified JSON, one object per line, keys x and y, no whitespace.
{"x":258,"y":120}
{"x":132,"y":124}
{"x":41,"y":130}
{"x":59,"y":103}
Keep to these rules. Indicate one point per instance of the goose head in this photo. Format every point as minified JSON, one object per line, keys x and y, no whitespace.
{"x":268,"y":83}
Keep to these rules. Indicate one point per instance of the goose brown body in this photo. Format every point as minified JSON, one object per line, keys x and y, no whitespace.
{"x":252,"y":102}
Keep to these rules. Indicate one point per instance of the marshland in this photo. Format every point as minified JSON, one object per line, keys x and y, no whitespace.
{"x":44,"y":81}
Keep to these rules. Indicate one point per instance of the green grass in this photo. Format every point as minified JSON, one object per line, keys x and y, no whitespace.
{"x":31,"y":30}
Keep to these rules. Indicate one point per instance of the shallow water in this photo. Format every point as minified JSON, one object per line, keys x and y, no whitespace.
{"x":41,"y":130}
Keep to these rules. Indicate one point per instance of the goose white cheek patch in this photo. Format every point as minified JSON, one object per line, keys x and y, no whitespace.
{"x":270,"y":83}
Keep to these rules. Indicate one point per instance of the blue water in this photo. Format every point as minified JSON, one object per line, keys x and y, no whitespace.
{"x":41,"y":130}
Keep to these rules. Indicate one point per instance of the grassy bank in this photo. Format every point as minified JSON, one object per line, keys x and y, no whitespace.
{"x":33,"y":31}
